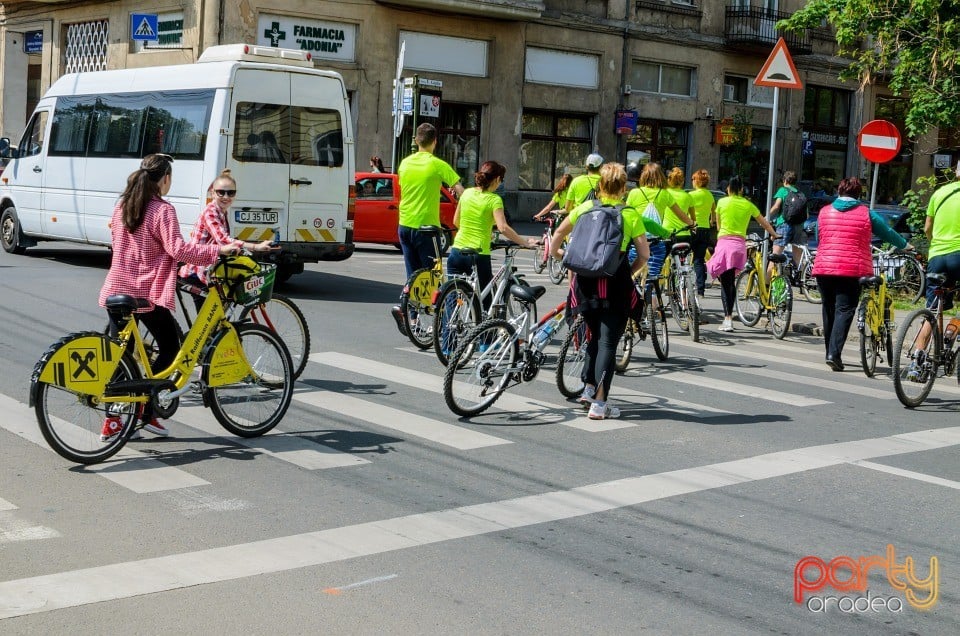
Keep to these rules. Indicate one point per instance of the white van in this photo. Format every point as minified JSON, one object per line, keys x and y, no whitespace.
{"x":280,"y":125}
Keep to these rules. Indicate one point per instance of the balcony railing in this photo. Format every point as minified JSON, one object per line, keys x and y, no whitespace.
{"x":503,"y":9}
{"x":754,"y":29}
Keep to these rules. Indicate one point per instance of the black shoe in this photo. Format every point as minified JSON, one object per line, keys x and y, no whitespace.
{"x":397,"y":314}
{"x":835,"y":363}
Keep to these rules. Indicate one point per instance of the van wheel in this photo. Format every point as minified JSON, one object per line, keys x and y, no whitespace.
{"x":10,"y":232}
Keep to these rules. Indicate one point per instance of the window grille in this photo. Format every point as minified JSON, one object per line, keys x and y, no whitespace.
{"x":85,"y":47}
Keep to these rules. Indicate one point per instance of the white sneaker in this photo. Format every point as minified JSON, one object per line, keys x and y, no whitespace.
{"x":587,"y":398}
{"x":603,"y":411}
{"x":727,"y":325}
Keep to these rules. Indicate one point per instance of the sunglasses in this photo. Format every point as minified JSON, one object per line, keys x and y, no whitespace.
{"x":225,"y":193}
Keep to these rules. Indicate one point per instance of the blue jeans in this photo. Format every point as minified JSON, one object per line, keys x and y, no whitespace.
{"x":948,"y":264}
{"x":417,"y":249}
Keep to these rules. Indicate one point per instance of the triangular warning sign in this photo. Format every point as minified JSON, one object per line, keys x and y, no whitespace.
{"x":778,"y":71}
{"x":145,"y":28}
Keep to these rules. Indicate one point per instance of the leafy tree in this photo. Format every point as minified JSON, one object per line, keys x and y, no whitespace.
{"x":913,"y":44}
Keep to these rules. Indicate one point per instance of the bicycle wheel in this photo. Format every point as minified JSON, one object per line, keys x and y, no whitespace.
{"x":659,"y":333}
{"x":915,"y":357}
{"x":417,"y":308}
{"x":573,"y":354}
{"x":283,"y":316}
{"x":781,"y":297}
{"x":678,"y":304}
{"x":808,"y":285}
{"x":625,"y":346}
{"x":456,"y":312}
{"x":867,"y":314}
{"x":693,"y":306}
{"x":557,"y":271}
{"x":540,"y":255}
{"x":481,"y":367}
{"x":909,"y":282}
{"x":748,"y":297}
{"x":72,"y":423}
{"x":256,"y":404}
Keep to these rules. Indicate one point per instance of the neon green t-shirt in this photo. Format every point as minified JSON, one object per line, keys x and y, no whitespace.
{"x":632,"y":222}
{"x":420,"y":177}
{"x":945,"y":238}
{"x":702,"y":205}
{"x":476,"y":219}
{"x":642,"y":196}
{"x":734,"y":214}
{"x":670,"y":219}
{"x":560,"y":198}
{"x":581,"y":186}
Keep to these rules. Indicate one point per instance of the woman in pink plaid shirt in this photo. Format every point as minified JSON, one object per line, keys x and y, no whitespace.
{"x":147,"y":246}
{"x":213,"y":228}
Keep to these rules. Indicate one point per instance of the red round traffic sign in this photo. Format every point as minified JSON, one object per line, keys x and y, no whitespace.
{"x":879,"y":141}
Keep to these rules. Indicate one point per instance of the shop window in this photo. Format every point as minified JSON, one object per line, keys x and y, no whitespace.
{"x":666,"y":79}
{"x":663,"y":142}
{"x":551,"y":144}
{"x":459,"y":139}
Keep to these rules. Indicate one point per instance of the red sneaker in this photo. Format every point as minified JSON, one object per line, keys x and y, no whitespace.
{"x":111,"y":428}
{"x":156,"y":428}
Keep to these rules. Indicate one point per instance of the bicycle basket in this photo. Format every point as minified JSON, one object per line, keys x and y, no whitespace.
{"x":246,"y":281}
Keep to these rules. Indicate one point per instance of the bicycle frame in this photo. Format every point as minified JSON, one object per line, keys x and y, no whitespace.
{"x":763,"y":293}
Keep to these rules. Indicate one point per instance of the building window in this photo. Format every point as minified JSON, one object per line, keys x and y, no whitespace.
{"x":458,"y":141}
{"x":85,"y":46}
{"x":650,"y":77}
{"x":551,"y":144}
{"x":825,"y":136}
{"x":661,"y":141}
{"x":559,"y":68}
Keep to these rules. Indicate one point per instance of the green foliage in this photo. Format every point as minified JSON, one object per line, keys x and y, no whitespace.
{"x":913,"y":44}
{"x":916,"y":201}
{"x":740,"y":147}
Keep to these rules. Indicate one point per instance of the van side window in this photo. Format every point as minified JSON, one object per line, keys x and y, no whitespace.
{"x":71,"y":122}
{"x":32,"y":142}
{"x":277,"y":133}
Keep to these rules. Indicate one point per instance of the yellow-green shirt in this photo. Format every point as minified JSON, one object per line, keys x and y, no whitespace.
{"x":702,"y":205}
{"x":945,"y":237}
{"x":670,"y":219}
{"x":632,"y":222}
{"x":561,"y":198}
{"x":420,"y":177}
{"x":734,"y":214}
{"x":476,"y":219}
{"x":581,"y":186}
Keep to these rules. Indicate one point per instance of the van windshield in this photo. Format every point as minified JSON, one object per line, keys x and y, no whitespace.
{"x":279,"y":133}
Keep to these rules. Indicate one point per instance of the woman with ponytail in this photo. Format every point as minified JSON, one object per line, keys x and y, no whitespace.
{"x":147,"y":245}
{"x":479,"y":209}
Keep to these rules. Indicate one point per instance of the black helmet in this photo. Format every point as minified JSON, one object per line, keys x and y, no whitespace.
{"x":633,"y":171}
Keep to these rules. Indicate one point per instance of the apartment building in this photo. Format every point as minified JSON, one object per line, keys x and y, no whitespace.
{"x":536,"y":85}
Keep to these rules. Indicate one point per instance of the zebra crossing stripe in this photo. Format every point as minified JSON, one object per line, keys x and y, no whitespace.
{"x":13,"y":529}
{"x":402,"y":421}
{"x":48,"y":592}
{"x":6,"y":505}
{"x":745,"y":390}
{"x":289,"y":448}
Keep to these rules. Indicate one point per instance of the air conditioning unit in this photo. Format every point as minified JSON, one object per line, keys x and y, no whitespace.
{"x":729,"y":92}
{"x":627,"y":89}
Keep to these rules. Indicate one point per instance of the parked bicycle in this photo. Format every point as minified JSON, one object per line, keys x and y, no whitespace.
{"x":87,"y":377}
{"x":543,"y":259}
{"x":758,"y":295}
{"x":801,"y":276}
{"x":416,"y":311}
{"x":923,"y":350}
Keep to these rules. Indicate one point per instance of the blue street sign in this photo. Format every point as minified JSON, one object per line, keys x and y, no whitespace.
{"x":144,"y":27}
{"x":807,"y":150}
{"x":33,"y":42}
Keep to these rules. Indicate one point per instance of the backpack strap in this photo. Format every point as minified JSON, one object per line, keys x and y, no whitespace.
{"x":944,"y":200}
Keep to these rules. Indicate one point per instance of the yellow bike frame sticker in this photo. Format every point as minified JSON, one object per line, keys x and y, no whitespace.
{"x":83,"y":365}
{"x":227,"y":363}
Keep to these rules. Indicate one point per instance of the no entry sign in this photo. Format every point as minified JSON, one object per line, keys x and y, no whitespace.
{"x":879,"y":141}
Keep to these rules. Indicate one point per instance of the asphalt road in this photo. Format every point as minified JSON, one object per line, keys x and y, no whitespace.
{"x":374,"y":510}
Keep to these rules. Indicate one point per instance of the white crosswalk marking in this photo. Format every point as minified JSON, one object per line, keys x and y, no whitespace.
{"x":403,"y":421}
{"x":283,"y":446}
{"x":893,"y":470}
{"x":746,"y":390}
{"x":13,"y":528}
{"x":6,"y":505}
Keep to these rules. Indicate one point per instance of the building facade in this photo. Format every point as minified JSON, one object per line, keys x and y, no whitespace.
{"x":536,"y":85}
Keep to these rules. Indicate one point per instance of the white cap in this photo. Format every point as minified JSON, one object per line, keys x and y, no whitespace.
{"x":594,"y":160}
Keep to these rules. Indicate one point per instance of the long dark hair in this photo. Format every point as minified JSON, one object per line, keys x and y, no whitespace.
{"x":735,"y":186}
{"x":564,"y":183}
{"x":142,"y":186}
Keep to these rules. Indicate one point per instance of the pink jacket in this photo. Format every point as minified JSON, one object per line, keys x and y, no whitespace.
{"x":844,"y":248}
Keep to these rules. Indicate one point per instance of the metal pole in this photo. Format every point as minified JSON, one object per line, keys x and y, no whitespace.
{"x":873,"y":193}
{"x":773,"y":150}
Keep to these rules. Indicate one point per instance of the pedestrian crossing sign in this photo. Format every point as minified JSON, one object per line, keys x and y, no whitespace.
{"x":144,"y":27}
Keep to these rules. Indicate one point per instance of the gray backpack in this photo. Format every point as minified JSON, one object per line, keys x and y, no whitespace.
{"x":594,"y":247}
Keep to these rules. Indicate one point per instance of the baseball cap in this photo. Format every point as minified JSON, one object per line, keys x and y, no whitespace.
{"x":594,"y":160}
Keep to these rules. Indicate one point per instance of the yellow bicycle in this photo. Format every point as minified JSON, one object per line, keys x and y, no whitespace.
{"x":875,"y":322}
{"x":758,"y":295}
{"x":420,"y":294}
{"x":246,"y":374}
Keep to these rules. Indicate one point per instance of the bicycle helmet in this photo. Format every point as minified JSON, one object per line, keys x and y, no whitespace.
{"x":633,"y":171}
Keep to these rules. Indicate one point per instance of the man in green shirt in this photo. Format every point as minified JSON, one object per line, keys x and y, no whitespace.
{"x":584,"y":184}
{"x":942,"y":228}
{"x":420,"y":177}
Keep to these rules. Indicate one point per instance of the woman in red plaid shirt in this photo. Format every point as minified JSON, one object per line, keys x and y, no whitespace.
{"x":213,"y":228}
{"x":147,"y":246}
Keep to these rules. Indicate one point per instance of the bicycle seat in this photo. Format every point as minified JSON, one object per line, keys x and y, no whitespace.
{"x":127,"y":303}
{"x":936,"y":279}
{"x":870,"y":281}
{"x":527,"y":294}
{"x":468,"y":251}
{"x":778,"y":258}
{"x":680,"y":248}
{"x":429,"y":229}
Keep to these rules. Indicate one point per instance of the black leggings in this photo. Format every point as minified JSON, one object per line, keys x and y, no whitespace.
{"x":163,"y":326}
{"x":840,"y":296}
{"x":728,"y":291}
{"x":606,"y":328}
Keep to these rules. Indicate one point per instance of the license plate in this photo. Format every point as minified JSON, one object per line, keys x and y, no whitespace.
{"x":257,"y":216}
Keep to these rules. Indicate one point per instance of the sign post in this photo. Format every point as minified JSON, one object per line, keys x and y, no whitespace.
{"x":879,"y":142}
{"x":777,"y":72}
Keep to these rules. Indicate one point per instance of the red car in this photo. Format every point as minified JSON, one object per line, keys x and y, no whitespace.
{"x":377,"y":210}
